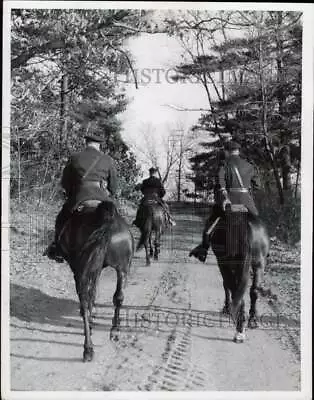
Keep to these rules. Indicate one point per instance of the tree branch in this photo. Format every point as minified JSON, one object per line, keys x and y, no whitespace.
{"x":125,"y":54}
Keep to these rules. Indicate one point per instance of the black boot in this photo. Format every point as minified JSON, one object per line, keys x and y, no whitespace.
{"x":53,"y":253}
{"x":136,"y":223}
{"x":199,"y":252}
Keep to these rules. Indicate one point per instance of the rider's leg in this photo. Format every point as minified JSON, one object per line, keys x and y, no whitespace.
{"x":201,"y":250}
{"x":61,"y":219}
{"x":54,"y":251}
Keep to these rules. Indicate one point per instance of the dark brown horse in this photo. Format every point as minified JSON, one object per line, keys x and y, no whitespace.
{"x":153,"y":220}
{"x":239,"y":253}
{"x":93,"y":239}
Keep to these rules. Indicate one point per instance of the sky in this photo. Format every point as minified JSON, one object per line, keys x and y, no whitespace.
{"x":148,"y":103}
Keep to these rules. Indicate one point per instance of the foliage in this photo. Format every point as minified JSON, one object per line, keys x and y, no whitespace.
{"x":253,"y":84}
{"x":283,"y":222}
{"x":64,"y":65}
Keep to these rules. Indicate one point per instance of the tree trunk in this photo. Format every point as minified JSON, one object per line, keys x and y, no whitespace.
{"x":64,"y":99}
{"x":281,"y":97}
{"x":297,"y":180}
{"x":63,"y":108}
{"x":180,"y":170}
{"x":268,"y":144}
{"x":286,"y":168}
{"x":222,"y":79}
{"x":19,"y":169}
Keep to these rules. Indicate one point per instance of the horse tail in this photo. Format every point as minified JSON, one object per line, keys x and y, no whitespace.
{"x":146,"y":227}
{"x":243,"y":279}
{"x":93,"y":253}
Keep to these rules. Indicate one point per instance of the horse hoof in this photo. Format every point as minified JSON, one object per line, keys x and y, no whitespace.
{"x":147,"y":263}
{"x":88,"y":355}
{"x":114,"y":335}
{"x":253,"y":324}
{"x":156,"y":257}
{"x":239,"y":337}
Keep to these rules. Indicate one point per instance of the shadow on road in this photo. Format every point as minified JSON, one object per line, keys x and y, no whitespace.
{"x":33,"y":305}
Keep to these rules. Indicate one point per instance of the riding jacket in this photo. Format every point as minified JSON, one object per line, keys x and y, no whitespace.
{"x":89,"y":175}
{"x":238,"y":186}
{"x":151,"y":187}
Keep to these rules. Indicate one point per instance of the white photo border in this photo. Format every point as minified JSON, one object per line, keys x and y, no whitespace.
{"x":306,"y":201}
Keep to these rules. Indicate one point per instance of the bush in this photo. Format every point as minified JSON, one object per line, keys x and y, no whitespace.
{"x":282,"y":221}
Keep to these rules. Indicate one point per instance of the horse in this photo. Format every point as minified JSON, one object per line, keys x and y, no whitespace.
{"x":153,"y":220}
{"x":239,"y":253}
{"x":94,"y":238}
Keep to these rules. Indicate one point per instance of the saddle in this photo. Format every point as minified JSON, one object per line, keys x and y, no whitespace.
{"x":86,"y":205}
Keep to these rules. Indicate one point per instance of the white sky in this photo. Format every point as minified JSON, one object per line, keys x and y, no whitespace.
{"x":147,"y":103}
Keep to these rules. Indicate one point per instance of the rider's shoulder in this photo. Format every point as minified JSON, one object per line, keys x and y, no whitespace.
{"x":147,"y":180}
{"x":74,"y":156}
{"x":107,"y":157}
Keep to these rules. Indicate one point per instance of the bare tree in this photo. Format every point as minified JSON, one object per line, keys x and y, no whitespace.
{"x":169,"y":155}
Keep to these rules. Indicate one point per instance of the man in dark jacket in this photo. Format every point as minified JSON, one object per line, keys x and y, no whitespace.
{"x":88,"y":175}
{"x":234,"y":183}
{"x":152,"y":189}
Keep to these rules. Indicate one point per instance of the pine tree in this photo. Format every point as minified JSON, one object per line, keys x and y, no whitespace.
{"x":64,"y":67}
{"x":258,"y":98}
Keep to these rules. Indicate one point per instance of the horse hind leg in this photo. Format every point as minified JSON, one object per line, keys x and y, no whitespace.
{"x":92,"y":299}
{"x":240,"y":280}
{"x":151,"y":250}
{"x":157,"y":245}
{"x":147,"y":255}
{"x":227,"y":304}
{"x":240,"y":335}
{"x":84,"y":294}
{"x":258,"y":270}
{"x":148,"y":248}
{"x":88,"y":353}
{"x":226,"y":285}
{"x":117,"y":302}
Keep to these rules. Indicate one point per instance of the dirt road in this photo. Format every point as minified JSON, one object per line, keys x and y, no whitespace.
{"x":173,"y":338}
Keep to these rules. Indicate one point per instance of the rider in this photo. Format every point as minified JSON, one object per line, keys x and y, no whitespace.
{"x":234,"y":183}
{"x":152,"y":188}
{"x":88,"y":175}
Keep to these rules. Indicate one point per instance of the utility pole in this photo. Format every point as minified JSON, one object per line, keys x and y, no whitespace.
{"x":180,"y":168}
